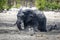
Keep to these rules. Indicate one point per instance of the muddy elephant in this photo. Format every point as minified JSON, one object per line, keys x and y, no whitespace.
{"x":32,"y":18}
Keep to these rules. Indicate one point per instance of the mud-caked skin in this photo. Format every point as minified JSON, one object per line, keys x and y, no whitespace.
{"x":32,"y":18}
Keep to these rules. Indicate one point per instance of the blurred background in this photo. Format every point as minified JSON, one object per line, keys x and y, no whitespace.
{"x":40,"y":4}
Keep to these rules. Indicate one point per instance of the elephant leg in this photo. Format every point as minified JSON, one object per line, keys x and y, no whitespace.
{"x":42,"y":26}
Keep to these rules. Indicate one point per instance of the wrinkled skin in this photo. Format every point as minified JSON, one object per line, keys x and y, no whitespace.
{"x":31,"y":18}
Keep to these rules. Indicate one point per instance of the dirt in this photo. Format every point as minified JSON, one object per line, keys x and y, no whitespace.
{"x":12,"y":33}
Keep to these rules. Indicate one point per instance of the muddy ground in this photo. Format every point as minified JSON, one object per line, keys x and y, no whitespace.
{"x":9,"y":32}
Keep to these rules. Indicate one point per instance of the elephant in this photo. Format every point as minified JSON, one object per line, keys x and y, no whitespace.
{"x":31,"y":18}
